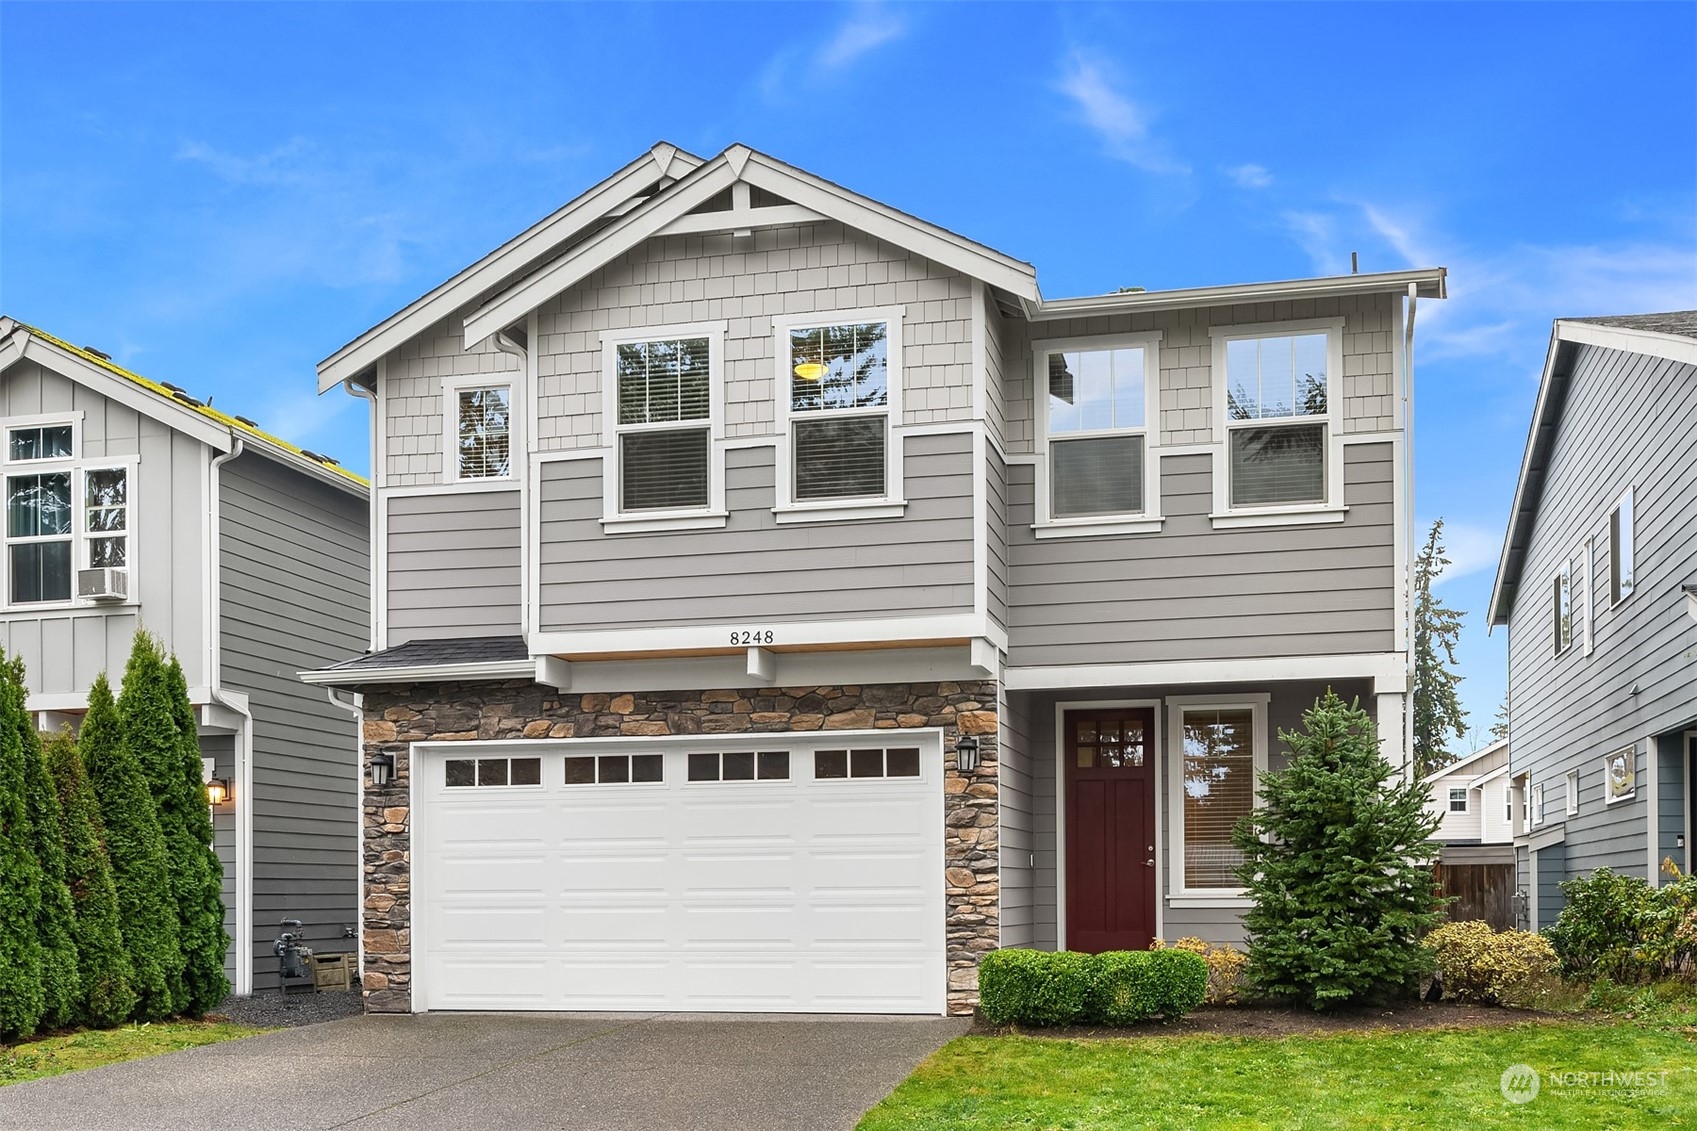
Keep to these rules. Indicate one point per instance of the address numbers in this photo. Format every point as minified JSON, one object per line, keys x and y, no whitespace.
{"x":751,"y":636}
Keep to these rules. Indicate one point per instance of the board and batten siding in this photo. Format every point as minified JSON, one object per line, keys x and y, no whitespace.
{"x":1629,"y":421}
{"x":755,"y":570}
{"x":453,"y":565}
{"x":295,"y":563}
{"x":1191,"y":592}
{"x":65,"y":648}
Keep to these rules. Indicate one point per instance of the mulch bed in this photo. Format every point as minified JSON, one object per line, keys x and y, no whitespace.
{"x":269,"y":1009}
{"x":1283,"y":1021}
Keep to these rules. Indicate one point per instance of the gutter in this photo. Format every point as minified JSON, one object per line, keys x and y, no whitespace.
{"x":424,"y":673}
{"x":1427,"y":282}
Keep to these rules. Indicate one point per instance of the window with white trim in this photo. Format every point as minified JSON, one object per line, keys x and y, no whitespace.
{"x":840,"y":382}
{"x":1537,"y":805}
{"x":1458,"y":800}
{"x":1508,"y":803}
{"x":663,"y":393}
{"x":1585,"y":580}
{"x":1097,"y":428}
{"x":1221,"y":753}
{"x":1278,"y":411}
{"x":60,"y":517}
{"x":1561,"y":607}
{"x":1573,"y":793}
{"x":1622,"y":565}
{"x":483,"y":432}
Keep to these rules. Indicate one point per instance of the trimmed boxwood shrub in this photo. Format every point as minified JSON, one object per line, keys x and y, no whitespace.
{"x":1123,"y":987}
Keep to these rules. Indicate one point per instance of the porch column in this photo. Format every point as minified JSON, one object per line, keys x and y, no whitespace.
{"x":1392,"y":735}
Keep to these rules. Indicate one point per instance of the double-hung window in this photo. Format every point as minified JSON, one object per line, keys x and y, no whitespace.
{"x":60,"y":516}
{"x":1277,"y":401}
{"x":662,"y":399}
{"x":1458,"y":799}
{"x":1096,"y":429}
{"x":839,"y":381}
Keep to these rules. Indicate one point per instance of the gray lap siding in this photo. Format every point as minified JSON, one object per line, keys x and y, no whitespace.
{"x":453,"y":565}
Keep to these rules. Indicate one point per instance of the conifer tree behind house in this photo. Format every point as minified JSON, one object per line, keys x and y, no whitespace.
{"x":146,"y":910}
{"x":22,"y":998}
{"x":103,"y":965}
{"x":188,"y":823}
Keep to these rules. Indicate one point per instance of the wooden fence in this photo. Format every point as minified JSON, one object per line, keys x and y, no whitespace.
{"x":1481,"y":891}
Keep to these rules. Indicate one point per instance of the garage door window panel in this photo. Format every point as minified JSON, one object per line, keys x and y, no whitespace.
{"x":615,"y":769}
{"x":740,"y":765}
{"x":472,"y":772}
{"x":899,"y":762}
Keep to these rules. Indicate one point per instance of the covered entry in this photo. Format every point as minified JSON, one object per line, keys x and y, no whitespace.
{"x":752,"y":874}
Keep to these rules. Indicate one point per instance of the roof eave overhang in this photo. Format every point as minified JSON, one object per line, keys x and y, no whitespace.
{"x":1528,"y":486}
{"x":423,"y":673}
{"x":1654,"y":343}
{"x":1428,"y":283}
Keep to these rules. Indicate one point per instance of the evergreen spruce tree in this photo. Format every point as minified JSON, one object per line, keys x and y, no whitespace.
{"x":1338,"y":864}
{"x":22,"y":996}
{"x":147,"y":913}
{"x":104,"y":970}
{"x":1437,"y":708}
{"x":148,"y":723}
{"x":1499,"y":724}
{"x":200,"y":894}
{"x":56,"y":917}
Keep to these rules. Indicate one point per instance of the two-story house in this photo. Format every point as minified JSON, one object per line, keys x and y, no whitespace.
{"x":1598,"y":588}
{"x":780,"y":603}
{"x":132,"y":504}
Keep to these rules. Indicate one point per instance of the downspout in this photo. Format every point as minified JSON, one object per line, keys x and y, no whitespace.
{"x":357,"y":705}
{"x":236,"y":702}
{"x":1408,"y":512}
{"x":360,"y":391}
{"x":507,"y":345}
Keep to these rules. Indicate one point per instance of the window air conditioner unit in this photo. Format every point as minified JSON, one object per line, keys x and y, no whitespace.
{"x":105,"y":584}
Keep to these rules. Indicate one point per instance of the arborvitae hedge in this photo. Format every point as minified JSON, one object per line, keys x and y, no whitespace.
{"x":187,"y":821}
{"x":22,"y":1000}
{"x":147,"y":912}
{"x":54,"y":922}
{"x":104,"y":968}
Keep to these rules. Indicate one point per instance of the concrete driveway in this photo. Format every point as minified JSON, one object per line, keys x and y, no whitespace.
{"x":633,"y":1072}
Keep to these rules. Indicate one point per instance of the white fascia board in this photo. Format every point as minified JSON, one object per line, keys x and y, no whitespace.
{"x":129,"y":394}
{"x":602,"y":200}
{"x":258,"y":445}
{"x":1494,"y":613}
{"x":774,"y":635}
{"x":1385,"y":669}
{"x":1673,"y":347}
{"x":598,"y":250}
{"x":432,"y":673}
{"x":1430,"y":282}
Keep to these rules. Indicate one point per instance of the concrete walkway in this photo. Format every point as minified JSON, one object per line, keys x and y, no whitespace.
{"x":632,"y":1072}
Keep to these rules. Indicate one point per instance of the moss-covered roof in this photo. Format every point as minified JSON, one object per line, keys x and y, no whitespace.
{"x":236,"y":424}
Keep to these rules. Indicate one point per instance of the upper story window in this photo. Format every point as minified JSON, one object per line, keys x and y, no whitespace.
{"x":1097,"y":429}
{"x":1458,"y":800}
{"x":663,"y":389}
{"x":840,"y":381}
{"x":60,"y":516}
{"x":484,"y":431}
{"x":1573,"y":793}
{"x":1561,"y":606}
{"x":1278,"y":406}
{"x":48,"y":441}
{"x":1621,"y":559}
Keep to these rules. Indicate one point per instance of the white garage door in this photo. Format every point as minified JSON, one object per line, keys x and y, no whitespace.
{"x":633,"y":875}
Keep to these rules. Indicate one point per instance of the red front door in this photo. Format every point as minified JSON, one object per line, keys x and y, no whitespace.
{"x":1110,"y":829}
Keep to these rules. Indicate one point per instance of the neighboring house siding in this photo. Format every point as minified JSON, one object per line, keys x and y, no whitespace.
{"x":754,"y":570}
{"x":295,"y":562}
{"x":453,"y":565}
{"x":1017,"y":810}
{"x":1628,"y":421}
{"x":1456,"y":826}
{"x":412,"y":402}
{"x":1191,"y":592}
{"x":64,"y":649}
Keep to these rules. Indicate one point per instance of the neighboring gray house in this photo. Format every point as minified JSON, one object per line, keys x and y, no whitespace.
{"x":717,"y":511}
{"x":1598,"y":588}
{"x":130,"y":503}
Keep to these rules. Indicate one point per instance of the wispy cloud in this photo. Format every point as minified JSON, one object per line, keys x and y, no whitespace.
{"x":811,"y":62}
{"x":1122,"y":124}
{"x":869,"y":27}
{"x":1250,"y":176}
{"x":286,"y":164}
{"x":1470,"y":548}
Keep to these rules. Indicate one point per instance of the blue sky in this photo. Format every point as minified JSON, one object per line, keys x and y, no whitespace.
{"x":221,"y":195}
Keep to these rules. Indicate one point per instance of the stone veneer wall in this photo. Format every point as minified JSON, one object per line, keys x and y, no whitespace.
{"x":398,"y":716}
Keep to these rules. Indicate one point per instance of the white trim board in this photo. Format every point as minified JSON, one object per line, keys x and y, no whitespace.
{"x":1386,"y":669}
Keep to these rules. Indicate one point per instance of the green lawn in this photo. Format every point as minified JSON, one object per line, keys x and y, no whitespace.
{"x":90,"y":1049}
{"x":1434,"y":1078}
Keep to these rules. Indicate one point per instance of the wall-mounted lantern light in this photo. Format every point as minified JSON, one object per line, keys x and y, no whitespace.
{"x":382,"y":770}
{"x":966,"y":754}
{"x":217,"y":791}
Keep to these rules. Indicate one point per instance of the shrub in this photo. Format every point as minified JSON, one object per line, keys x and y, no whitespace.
{"x":22,"y":997}
{"x":104,"y":971}
{"x":199,"y":875}
{"x":1337,"y":861}
{"x":1034,"y":987}
{"x":1476,"y":963}
{"x":1622,"y":929}
{"x":1225,"y":967}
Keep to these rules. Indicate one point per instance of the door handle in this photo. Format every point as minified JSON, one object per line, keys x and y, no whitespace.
{"x":1150,"y":861}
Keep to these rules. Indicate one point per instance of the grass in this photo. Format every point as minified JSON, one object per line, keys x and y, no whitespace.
{"x":92,"y":1048}
{"x":1439,"y":1078}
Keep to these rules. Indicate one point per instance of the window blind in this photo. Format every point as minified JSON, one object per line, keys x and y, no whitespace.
{"x":839,"y":458}
{"x":1280,"y":464}
{"x":1101,"y":475}
{"x":663,"y":470}
{"x":1219,"y":790}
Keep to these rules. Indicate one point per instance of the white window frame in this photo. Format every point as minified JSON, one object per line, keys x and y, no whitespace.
{"x":1588,"y":595}
{"x":1627,"y":505}
{"x":1147,"y":521}
{"x":1536,"y":803}
{"x":1465,"y":805}
{"x":893,"y":503}
{"x":1562,"y":591}
{"x":452,"y":386}
{"x":78,"y":468}
{"x":613,"y":519}
{"x":1609,"y":796}
{"x":1573,"y":793}
{"x":1508,"y":805}
{"x":1178,"y":894}
{"x":1330,"y":509}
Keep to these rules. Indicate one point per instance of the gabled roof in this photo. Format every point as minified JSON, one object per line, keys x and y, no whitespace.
{"x":809,"y":196}
{"x":658,"y":167}
{"x":1468,"y":760}
{"x":214,"y":427}
{"x":473,"y":657}
{"x":1672,"y":335}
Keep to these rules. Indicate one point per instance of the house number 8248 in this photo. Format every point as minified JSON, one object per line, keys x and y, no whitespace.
{"x":751,"y":636}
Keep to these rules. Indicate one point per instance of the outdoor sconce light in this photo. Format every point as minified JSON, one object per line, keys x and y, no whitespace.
{"x":217,"y":791}
{"x":966,"y":754}
{"x":382,"y":770}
